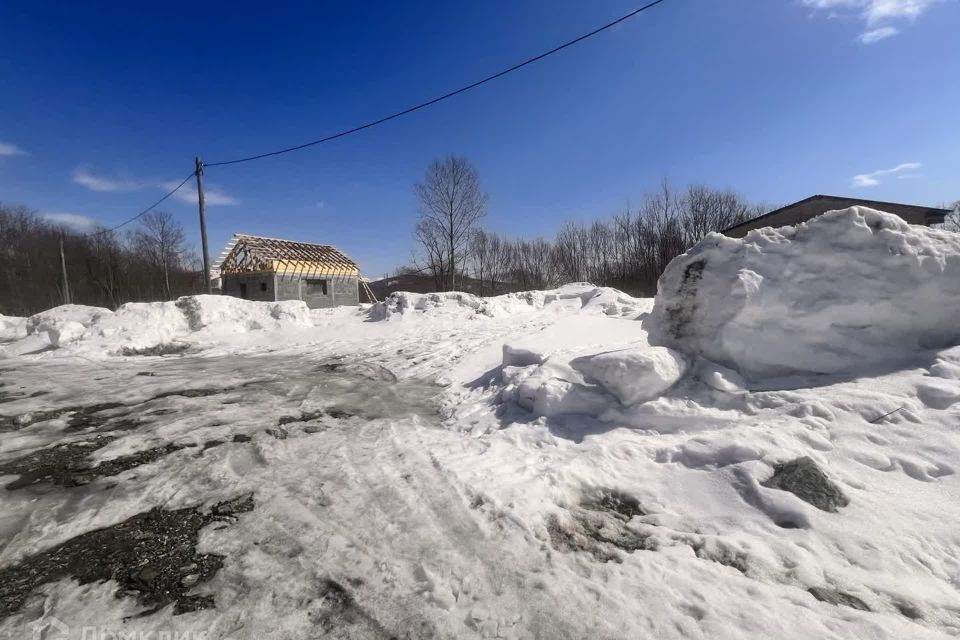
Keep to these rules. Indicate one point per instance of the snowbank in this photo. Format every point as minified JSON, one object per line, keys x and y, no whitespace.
{"x":574,"y":296}
{"x":850,"y":289}
{"x":12,"y":328}
{"x":401,"y":303}
{"x":226,"y":313}
{"x":144,"y":325}
{"x":51,"y":318}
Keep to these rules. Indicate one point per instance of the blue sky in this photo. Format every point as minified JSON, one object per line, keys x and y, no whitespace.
{"x":779,"y":99}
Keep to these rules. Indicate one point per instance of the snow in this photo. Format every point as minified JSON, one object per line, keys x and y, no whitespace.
{"x":63,"y":332}
{"x":578,"y":295}
{"x":12,"y":328}
{"x":188,"y":321}
{"x":636,"y":374}
{"x":849,"y":291}
{"x":81,"y":314}
{"x":522,"y":466}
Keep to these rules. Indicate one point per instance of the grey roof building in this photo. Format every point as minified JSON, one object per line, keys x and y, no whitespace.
{"x":815,"y":205}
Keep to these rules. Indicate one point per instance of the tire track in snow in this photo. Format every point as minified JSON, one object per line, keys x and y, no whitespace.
{"x":465,"y":572}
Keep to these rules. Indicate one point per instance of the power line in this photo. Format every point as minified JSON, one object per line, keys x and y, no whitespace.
{"x":444,"y":96}
{"x":145,"y":211}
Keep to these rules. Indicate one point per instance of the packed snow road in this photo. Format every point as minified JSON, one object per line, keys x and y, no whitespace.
{"x":360,"y":531}
{"x":357,"y":525}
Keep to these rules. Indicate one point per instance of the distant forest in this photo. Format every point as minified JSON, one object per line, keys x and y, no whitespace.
{"x":628,"y":251}
{"x":105,"y":268}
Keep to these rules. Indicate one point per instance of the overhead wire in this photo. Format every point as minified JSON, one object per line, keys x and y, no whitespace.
{"x":443,"y":97}
{"x":145,"y":211}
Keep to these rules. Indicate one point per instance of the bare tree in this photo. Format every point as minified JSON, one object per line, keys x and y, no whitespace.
{"x":105,"y":264}
{"x":451,"y":204}
{"x":162,"y":241}
{"x":629,"y":251}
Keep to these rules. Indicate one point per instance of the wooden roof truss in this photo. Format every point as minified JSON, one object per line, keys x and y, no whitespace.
{"x":247,"y":254}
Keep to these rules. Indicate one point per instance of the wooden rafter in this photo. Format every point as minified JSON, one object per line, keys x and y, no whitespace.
{"x":248,"y":253}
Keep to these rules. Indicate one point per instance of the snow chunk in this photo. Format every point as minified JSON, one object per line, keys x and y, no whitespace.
{"x":939,"y":394}
{"x":12,"y":328}
{"x":65,"y":332}
{"x":44,"y":321}
{"x":847,"y":290}
{"x":636,"y":374}
{"x":720,"y":378}
{"x":547,"y":390}
{"x":586,"y":364}
{"x":521,"y":357}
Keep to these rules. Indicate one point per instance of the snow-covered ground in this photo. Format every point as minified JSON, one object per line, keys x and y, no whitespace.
{"x":526,"y":466}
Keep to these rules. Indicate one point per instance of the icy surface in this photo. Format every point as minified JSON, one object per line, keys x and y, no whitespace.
{"x":847,"y":292}
{"x":536,"y":472}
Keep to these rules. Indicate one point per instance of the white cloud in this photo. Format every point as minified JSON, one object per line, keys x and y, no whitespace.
{"x":874,"y":13}
{"x":72,"y":220}
{"x":7,"y":149}
{"x":873,"y":179}
{"x":878,"y":10}
{"x":94,"y":182}
{"x":211,"y":195}
{"x":876,"y":35}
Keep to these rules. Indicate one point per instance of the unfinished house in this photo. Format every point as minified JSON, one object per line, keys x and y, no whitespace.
{"x":269,"y":269}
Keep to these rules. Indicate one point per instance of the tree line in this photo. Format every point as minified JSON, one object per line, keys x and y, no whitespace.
{"x":629,"y":251}
{"x":104,"y":268}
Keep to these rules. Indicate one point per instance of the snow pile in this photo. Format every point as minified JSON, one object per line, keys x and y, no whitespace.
{"x":64,"y":332}
{"x":225,"y":313}
{"x":607,"y":300}
{"x":12,"y":328}
{"x":54,"y":318}
{"x":593,"y":384}
{"x":401,"y":303}
{"x":144,"y":325}
{"x":586,"y":365}
{"x":574,"y":296}
{"x":848,"y":290}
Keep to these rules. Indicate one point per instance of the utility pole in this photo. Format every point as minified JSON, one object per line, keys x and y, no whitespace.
{"x":203,"y":227}
{"x":63,"y":267}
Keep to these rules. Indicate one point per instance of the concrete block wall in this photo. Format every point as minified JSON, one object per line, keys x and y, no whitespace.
{"x":340,"y":290}
{"x":259,"y":286}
